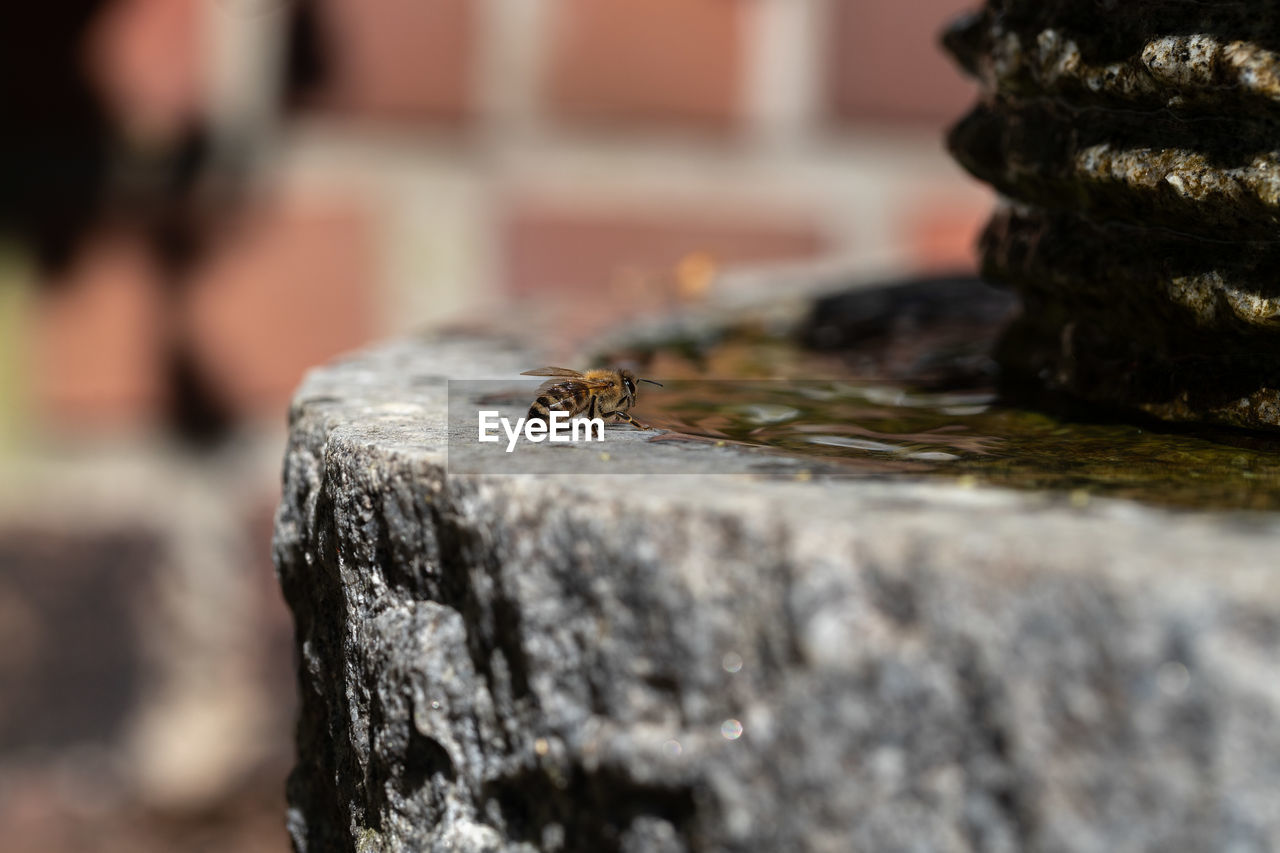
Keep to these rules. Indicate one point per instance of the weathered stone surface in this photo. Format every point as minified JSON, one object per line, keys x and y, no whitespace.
{"x":1150,"y":54}
{"x":1181,"y":329}
{"x":1167,"y":289}
{"x":594,"y":663}
{"x":1154,"y":170}
{"x":1136,"y":144}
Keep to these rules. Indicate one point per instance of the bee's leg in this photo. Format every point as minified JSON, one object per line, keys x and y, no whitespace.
{"x":623,"y":416}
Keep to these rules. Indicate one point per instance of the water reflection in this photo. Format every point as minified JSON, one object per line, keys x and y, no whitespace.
{"x":900,"y":381}
{"x":877,"y":429}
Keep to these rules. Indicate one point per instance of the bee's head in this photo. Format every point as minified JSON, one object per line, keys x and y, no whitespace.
{"x":629,"y":383}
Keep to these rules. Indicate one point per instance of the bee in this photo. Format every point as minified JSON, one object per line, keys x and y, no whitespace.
{"x":601,"y":393}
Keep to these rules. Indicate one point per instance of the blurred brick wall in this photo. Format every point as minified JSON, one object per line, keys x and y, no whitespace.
{"x":655,"y":62}
{"x":413,"y":183}
{"x":885,"y":63}
{"x":453,"y":157}
{"x":578,"y":249}
{"x":396,"y":60}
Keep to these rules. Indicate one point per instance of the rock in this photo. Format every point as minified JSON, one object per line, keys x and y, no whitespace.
{"x":927,"y":332}
{"x":1135,"y":146}
{"x":752,"y":663}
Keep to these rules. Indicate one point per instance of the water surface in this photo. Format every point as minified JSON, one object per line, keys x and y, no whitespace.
{"x":851,"y":418}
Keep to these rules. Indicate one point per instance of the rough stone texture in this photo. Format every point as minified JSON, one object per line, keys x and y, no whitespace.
{"x":542,"y":663}
{"x":1136,"y":147}
{"x":1148,"y":54}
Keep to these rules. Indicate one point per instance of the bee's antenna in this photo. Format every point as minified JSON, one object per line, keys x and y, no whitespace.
{"x":651,"y":382}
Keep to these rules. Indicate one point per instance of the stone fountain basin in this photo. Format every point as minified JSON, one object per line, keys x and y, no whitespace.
{"x":692,"y":660}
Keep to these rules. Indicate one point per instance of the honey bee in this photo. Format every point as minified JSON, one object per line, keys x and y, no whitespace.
{"x":601,"y":393}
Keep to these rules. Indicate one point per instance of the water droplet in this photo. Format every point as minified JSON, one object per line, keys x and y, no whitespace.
{"x":732,"y":662}
{"x":731,"y":729}
{"x":435,"y":704}
{"x":672,"y":748}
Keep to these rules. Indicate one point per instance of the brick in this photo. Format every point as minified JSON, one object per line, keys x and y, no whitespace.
{"x":886,"y":62}
{"x":148,"y":58}
{"x":291,"y":285}
{"x":943,"y":234}
{"x":400,"y":59}
{"x":84,"y":684}
{"x":294,"y":284}
{"x":558,"y":248}
{"x":96,"y":345}
{"x":678,"y":61}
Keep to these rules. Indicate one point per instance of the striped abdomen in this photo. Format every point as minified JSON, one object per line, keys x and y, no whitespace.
{"x":567,"y":397}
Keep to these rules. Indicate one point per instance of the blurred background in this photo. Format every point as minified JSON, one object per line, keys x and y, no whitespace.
{"x":199,"y":199}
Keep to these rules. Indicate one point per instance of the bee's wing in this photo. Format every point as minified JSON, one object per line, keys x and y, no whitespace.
{"x":573,"y":385}
{"x":553,"y":371}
